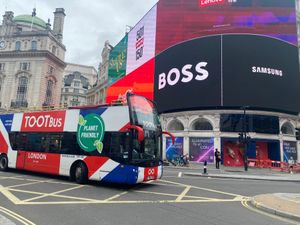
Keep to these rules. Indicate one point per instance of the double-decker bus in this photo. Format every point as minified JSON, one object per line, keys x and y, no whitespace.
{"x":121,"y":143}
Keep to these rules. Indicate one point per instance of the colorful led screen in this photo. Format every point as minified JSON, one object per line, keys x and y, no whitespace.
{"x":179,"y":21}
{"x":141,"y":41}
{"x":117,"y":61}
{"x":202,"y":149}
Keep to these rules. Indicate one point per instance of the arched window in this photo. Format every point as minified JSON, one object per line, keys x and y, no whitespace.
{"x":22,"y":90}
{"x":287,"y":128}
{"x":49,"y":93}
{"x":201,"y":124}
{"x":33,"y":45}
{"x":53,"y":50}
{"x":175,"y":125}
{"x":18,"y":45}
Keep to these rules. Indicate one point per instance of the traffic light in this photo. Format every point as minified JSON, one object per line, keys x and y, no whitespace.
{"x":297,"y":134}
{"x":241,"y":137}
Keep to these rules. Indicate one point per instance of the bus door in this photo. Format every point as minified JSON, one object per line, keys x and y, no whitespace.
{"x":21,"y":159}
{"x":45,"y":157}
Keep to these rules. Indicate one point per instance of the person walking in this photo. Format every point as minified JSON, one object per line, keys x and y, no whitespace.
{"x":291,"y":164}
{"x":217,"y":158}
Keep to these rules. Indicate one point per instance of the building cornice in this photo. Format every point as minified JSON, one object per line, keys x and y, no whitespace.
{"x":33,"y":54}
{"x":41,"y":33}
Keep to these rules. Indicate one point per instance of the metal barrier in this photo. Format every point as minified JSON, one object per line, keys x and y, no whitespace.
{"x":274,"y":165}
{"x":268,"y":164}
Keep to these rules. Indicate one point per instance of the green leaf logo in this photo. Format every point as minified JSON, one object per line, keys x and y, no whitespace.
{"x":90,"y":132}
{"x":99,"y":146}
{"x":82,"y":121}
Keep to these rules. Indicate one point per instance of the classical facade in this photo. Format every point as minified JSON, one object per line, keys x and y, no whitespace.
{"x":209,"y":129}
{"x":77,"y":80}
{"x":97,"y":94}
{"x":88,"y":71}
{"x":31,"y":60}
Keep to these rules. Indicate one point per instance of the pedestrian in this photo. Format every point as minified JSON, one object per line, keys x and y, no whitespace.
{"x":291,"y":163}
{"x":217,"y":158}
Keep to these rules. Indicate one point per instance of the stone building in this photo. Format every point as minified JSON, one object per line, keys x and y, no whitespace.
{"x":97,"y":94}
{"x":78,"y":79}
{"x":31,"y":60}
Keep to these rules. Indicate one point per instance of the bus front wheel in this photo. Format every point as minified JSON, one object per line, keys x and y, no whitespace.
{"x":3,"y":163}
{"x":81,"y":173}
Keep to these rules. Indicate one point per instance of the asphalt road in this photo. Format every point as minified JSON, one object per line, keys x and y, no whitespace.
{"x":28,"y":198}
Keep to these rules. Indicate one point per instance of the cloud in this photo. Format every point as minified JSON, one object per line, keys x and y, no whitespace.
{"x":88,"y":23}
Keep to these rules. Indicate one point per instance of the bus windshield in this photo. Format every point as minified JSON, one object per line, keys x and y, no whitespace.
{"x":144,"y":114}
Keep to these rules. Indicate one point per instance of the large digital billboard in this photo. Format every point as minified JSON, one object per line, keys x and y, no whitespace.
{"x":228,"y":71}
{"x":141,"y":41}
{"x":139,"y":81}
{"x":117,"y":61}
{"x":196,"y":54}
{"x":188,"y":75}
{"x":260,"y":72}
{"x":179,"y":21}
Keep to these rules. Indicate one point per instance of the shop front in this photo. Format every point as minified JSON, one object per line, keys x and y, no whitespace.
{"x":257,"y":149}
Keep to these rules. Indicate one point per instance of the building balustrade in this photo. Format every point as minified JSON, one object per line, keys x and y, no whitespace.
{"x":19,"y":104}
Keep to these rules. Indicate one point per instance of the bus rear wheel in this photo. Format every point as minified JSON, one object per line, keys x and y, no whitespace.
{"x":3,"y":163}
{"x":80,"y":173}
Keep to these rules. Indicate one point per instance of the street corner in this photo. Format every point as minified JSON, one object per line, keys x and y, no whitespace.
{"x":286,"y":205}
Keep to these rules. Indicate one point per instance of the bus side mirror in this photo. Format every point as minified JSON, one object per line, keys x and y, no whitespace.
{"x":171,"y":135}
{"x":141,"y":134}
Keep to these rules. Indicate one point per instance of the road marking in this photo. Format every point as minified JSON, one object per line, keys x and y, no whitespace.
{"x":16,"y":216}
{"x":11,"y":178}
{"x":53,"y":193}
{"x":9,"y":195}
{"x":26,"y":184}
{"x":204,"y":189}
{"x":51,"y":181}
{"x":128,"y":202}
{"x":181,"y":196}
{"x":115,"y":196}
{"x":180,"y":174}
{"x":178,"y":198}
{"x":245,"y":204}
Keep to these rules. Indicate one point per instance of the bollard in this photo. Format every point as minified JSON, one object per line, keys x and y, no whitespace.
{"x":205,"y":167}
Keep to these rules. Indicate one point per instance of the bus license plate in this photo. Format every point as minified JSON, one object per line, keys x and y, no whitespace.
{"x":150,"y":177}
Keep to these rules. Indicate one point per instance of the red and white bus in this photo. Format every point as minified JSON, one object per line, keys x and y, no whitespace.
{"x":121,"y":144}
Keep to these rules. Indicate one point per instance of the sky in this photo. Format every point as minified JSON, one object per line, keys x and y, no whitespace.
{"x":88,"y":23}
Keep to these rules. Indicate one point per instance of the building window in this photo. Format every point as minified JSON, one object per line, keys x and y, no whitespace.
{"x":18,"y":45}
{"x":22,"y":89}
{"x":50,"y":69}
{"x":66,"y":89}
{"x":76,"y":83}
{"x":53,"y":50}
{"x":49,"y":91}
{"x":175,"y":125}
{"x":2,"y":66}
{"x":33,"y":45}
{"x":287,"y":128}
{"x":25,"y":66}
{"x":76,"y":90}
{"x":201,"y":124}
{"x":0,"y":85}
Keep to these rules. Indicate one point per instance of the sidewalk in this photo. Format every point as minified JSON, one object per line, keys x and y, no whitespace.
{"x":282,"y":204}
{"x":197,"y":169}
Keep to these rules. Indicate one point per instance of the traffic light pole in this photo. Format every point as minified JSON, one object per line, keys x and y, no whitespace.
{"x":245,"y":140}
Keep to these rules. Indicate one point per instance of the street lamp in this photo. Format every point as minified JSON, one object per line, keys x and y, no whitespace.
{"x":245,"y":139}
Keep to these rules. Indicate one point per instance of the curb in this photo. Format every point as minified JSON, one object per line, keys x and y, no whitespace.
{"x":247,"y":177}
{"x":271,"y":210}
